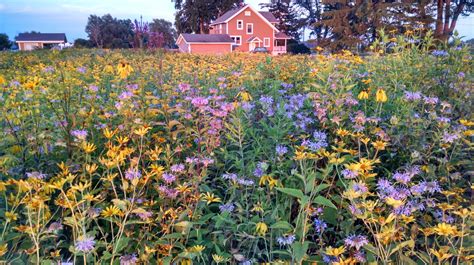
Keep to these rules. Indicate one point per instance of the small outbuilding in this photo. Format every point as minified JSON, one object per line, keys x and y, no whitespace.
{"x":31,"y":41}
{"x":205,"y":43}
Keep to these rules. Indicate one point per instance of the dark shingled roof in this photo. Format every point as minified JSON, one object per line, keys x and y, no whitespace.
{"x":207,"y":38}
{"x":42,"y":37}
{"x":269,"y":16}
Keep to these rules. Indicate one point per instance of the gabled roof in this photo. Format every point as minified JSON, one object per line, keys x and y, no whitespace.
{"x":235,"y":11}
{"x":42,"y":37}
{"x":254,"y":38}
{"x":207,"y":38}
{"x":269,"y":16}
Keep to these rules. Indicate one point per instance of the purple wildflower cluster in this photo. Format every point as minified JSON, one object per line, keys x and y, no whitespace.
{"x":319,"y":141}
{"x":356,"y":241}
{"x":227,"y":208}
{"x":129,"y":259}
{"x":79,"y":134}
{"x":85,"y":244}
{"x":36,"y":175}
{"x":267,"y":105}
{"x":281,"y":150}
{"x":132,"y":173}
{"x":286,"y":240}
{"x":319,"y":225}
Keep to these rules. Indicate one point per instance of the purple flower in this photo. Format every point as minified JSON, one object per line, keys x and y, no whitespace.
{"x":431,"y":100}
{"x":36,"y":175}
{"x":86,"y":244}
{"x":227,"y":208}
{"x":178,"y":168}
{"x":125,"y":95}
{"x":449,"y":138}
{"x":145,"y":215}
{"x":319,"y":225}
{"x":286,"y":85}
{"x":81,"y":70}
{"x":281,"y":150}
{"x":356,"y":241}
{"x":128,"y":259}
{"x":349,"y":174}
{"x":245,"y":182}
{"x":93,"y":88}
{"x":360,"y":256}
{"x":54,"y":226}
{"x":286,"y":240}
{"x":461,"y":74}
{"x":440,"y":53}
{"x":199,"y":102}
{"x":132,"y":173}
{"x":168,"y":178}
{"x":79,"y":134}
{"x":266,"y":101}
{"x":403,"y":178}
{"x":413,"y":96}
{"x":432,"y":187}
{"x":231,"y":176}
{"x":360,"y":187}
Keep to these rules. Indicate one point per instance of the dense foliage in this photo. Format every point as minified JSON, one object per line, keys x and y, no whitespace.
{"x":140,"y":156}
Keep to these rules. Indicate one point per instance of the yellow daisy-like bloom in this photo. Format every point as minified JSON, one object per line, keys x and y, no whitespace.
{"x":111,"y":211}
{"x":445,"y":229}
{"x":197,"y":248}
{"x":3,"y":249}
{"x":380,"y":95}
{"x":88,"y":147}
{"x":210,"y":198}
{"x":364,"y":94}
{"x":218,"y":258}
{"x":393,"y":202}
{"x":124,"y":70}
{"x":244,"y":96}
{"x":142,"y":131}
{"x":335,"y":251}
{"x":261,"y":228}
{"x":11,"y":216}
{"x":441,"y":254}
{"x":257,"y":208}
{"x":379,"y":145}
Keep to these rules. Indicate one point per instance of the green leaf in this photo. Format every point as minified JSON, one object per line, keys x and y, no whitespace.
{"x":401,"y":245}
{"x":292,"y":192}
{"x":121,"y":244}
{"x":299,"y":250}
{"x":323,"y":201}
{"x":321,"y":187}
{"x":282,"y":225}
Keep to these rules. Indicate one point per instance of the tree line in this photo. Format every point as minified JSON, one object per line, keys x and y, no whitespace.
{"x":337,"y":24}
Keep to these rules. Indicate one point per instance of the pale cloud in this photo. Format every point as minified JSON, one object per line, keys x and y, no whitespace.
{"x":2,"y":7}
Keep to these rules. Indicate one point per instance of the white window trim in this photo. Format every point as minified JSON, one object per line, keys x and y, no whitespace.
{"x":247,"y":28}
{"x":242,"y":24}
{"x":240,"y":37}
{"x":248,"y":13}
{"x":264,"y":42}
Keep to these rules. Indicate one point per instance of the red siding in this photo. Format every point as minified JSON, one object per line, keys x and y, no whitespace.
{"x":261,"y":29}
{"x":211,"y":48}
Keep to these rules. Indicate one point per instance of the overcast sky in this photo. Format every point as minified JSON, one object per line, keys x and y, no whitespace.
{"x":70,"y":16}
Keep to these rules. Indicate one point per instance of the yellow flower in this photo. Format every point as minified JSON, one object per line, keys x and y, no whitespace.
{"x":218,"y":258}
{"x":91,"y":168}
{"x":3,"y":247}
{"x":257,"y":208}
{"x":210,"y":198}
{"x":466,"y":122}
{"x":88,"y":147}
{"x":142,"y":131}
{"x":441,"y":254}
{"x":261,"y":228}
{"x":2,"y":80}
{"x":380,"y":95}
{"x":393,"y":202}
{"x":335,"y":251}
{"x":244,"y":96}
{"x":111,"y":211}
{"x":109,"y":134}
{"x":463,"y":213}
{"x":379,"y":145}
{"x":367,"y":81}
{"x":11,"y":216}
{"x":197,"y":248}
{"x":124,"y":70}
{"x":445,"y":229}
{"x":342,"y":132}
{"x":364,"y":94}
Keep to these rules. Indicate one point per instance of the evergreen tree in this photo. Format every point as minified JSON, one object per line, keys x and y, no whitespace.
{"x":284,"y":11}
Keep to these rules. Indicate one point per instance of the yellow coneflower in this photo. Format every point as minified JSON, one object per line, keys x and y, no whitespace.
{"x":363,"y":95}
{"x":88,"y":147}
{"x":335,"y":251}
{"x":124,"y":70}
{"x":111,"y":211}
{"x":261,"y":228}
{"x":379,"y":145}
{"x":380,"y":95}
{"x":445,"y":229}
{"x":210,"y":198}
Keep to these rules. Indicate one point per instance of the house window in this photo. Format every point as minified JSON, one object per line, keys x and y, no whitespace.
{"x":220,"y":28}
{"x":247,"y":13}
{"x":237,"y":40}
{"x":266,"y":42}
{"x":249,"y":28}
{"x":240,"y":24}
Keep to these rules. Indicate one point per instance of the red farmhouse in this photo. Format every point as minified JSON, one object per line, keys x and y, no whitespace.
{"x":239,"y":29}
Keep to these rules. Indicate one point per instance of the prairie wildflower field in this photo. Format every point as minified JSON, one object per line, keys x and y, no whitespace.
{"x":146,"y":157}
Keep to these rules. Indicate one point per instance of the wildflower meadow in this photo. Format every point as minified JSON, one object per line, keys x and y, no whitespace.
{"x":152,"y":157}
